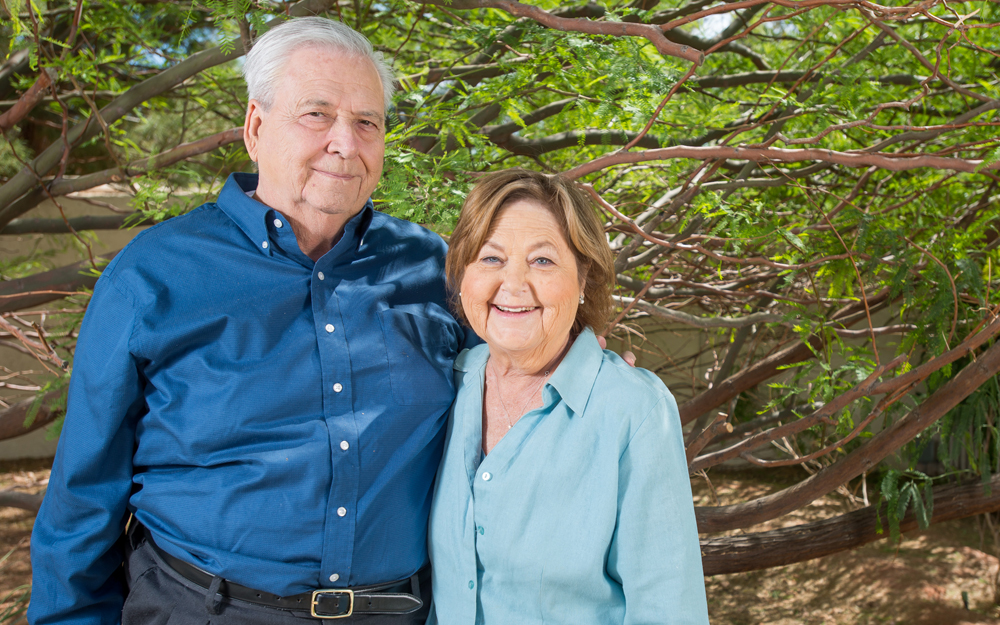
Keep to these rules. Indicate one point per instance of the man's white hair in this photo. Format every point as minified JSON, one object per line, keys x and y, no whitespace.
{"x":265,"y":62}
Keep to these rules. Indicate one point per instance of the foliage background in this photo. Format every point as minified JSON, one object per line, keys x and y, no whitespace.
{"x":802,"y":195}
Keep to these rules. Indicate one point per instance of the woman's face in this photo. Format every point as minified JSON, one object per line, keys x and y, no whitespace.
{"x":522,"y":291}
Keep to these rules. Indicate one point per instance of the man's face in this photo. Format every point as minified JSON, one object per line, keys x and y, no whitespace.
{"x":320,"y":145}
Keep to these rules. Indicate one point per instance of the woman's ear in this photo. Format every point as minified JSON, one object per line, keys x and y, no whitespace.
{"x":584,"y":272}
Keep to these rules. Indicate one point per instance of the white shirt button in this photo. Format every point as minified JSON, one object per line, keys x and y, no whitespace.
{"x":345,"y":445}
{"x":341,"y":511}
{"x":334,"y":577}
{"x":338,"y":387}
{"x":277,"y":223}
{"x":321,"y":276}
{"x":329,"y":327}
{"x":264,"y":245}
{"x":487,"y":476}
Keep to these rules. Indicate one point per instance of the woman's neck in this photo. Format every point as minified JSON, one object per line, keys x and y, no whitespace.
{"x":530,"y":364}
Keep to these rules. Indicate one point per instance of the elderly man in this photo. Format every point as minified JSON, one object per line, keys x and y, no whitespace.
{"x":261,"y":383}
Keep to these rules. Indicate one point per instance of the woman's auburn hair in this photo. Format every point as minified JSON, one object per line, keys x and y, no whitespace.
{"x":572,"y":208}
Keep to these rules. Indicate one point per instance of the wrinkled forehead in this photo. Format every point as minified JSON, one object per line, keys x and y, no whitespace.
{"x":310,"y":64}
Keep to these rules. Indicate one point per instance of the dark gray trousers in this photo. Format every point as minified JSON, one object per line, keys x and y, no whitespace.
{"x":159,"y":596}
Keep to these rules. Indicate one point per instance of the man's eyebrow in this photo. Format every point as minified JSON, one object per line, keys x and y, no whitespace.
{"x":316,"y":102}
{"x":375,"y":114}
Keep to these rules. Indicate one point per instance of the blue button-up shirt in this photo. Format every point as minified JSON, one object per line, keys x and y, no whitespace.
{"x":272,"y":420}
{"x":581,"y":514}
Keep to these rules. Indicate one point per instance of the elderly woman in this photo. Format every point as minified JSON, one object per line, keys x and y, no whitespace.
{"x":563,"y":494}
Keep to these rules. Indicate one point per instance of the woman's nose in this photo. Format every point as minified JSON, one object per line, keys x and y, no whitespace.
{"x":515,"y":278}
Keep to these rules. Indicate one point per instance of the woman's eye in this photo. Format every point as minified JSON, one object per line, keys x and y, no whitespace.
{"x":543,"y":261}
{"x":490,"y":260}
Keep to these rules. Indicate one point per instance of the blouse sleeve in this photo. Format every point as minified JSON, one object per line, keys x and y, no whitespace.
{"x":655,"y":554}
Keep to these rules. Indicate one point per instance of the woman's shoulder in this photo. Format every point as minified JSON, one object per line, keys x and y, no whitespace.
{"x":613,"y":390}
{"x":626,"y":400}
{"x":630,"y":385}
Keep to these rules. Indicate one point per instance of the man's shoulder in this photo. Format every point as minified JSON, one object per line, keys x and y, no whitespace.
{"x":386,"y":231}
{"x":150,"y":245}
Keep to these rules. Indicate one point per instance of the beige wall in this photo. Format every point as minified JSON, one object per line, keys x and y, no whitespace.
{"x":34,"y":445}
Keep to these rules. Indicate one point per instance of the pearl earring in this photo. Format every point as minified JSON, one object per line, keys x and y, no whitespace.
{"x":581,"y":299}
{"x":460,"y":294}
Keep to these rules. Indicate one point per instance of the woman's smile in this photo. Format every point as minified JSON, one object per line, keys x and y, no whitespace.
{"x":514,"y":310}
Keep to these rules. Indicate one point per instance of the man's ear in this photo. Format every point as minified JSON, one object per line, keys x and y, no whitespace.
{"x":251,"y":128}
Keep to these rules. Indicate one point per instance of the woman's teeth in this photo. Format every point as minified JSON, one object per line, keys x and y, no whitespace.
{"x":514,"y":310}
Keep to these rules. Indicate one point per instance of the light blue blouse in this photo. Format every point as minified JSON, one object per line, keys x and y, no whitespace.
{"x":581,"y":514}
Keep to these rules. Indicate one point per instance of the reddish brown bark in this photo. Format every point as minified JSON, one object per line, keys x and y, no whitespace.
{"x":27,"y":101}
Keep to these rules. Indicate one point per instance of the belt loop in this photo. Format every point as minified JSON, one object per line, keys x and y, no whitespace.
{"x":213,"y":599}
{"x":415,"y":585}
{"x":133,"y":527}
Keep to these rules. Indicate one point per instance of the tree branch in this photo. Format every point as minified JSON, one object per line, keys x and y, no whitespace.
{"x":890,"y":162}
{"x":76,"y":224}
{"x":47,"y":286}
{"x":862,"y":459}
{"x":23,"y":181}
{"x":27,"y":101}
{"x":704,"y":323}
{"x":12,"y":419}
{"x":558,"y":141}
{"x":650,"y":32}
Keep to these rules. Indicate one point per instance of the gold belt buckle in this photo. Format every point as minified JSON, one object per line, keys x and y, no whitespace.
{"x":332,"y":591}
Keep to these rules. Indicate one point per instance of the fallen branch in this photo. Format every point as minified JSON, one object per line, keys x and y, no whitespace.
{"x":24,"y":501}
{"x":761,"y":550}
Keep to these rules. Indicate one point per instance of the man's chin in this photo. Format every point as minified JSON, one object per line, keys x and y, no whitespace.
{"x":338,"y":204}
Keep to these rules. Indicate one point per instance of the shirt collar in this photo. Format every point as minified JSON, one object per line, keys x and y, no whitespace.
{"x":573,"y":379}
{"x":472,"y":359}
{"x":256,"y":220}
{"x":575,"y":376}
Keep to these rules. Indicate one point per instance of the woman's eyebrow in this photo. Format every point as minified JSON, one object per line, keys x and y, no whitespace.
{"x":545,"y":243}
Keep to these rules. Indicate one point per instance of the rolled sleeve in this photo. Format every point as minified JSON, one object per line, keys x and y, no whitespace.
{"x":75,"y":557}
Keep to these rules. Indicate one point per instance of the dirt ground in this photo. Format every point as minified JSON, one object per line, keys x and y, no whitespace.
{"x":921,"y":581}
{"x":934,"y":577}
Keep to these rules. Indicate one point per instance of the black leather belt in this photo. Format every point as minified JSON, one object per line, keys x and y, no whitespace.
{"x":325,"y":603}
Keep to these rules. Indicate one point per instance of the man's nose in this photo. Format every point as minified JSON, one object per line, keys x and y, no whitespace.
{"x":342,"y":139}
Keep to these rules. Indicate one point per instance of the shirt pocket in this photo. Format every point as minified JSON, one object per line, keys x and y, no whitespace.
{"x":420,"y":352}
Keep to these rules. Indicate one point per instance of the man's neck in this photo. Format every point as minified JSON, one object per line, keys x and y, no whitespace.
{"x":316,"y":232}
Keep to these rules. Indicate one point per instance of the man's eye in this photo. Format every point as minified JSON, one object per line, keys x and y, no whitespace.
{"x":315,"y":114}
